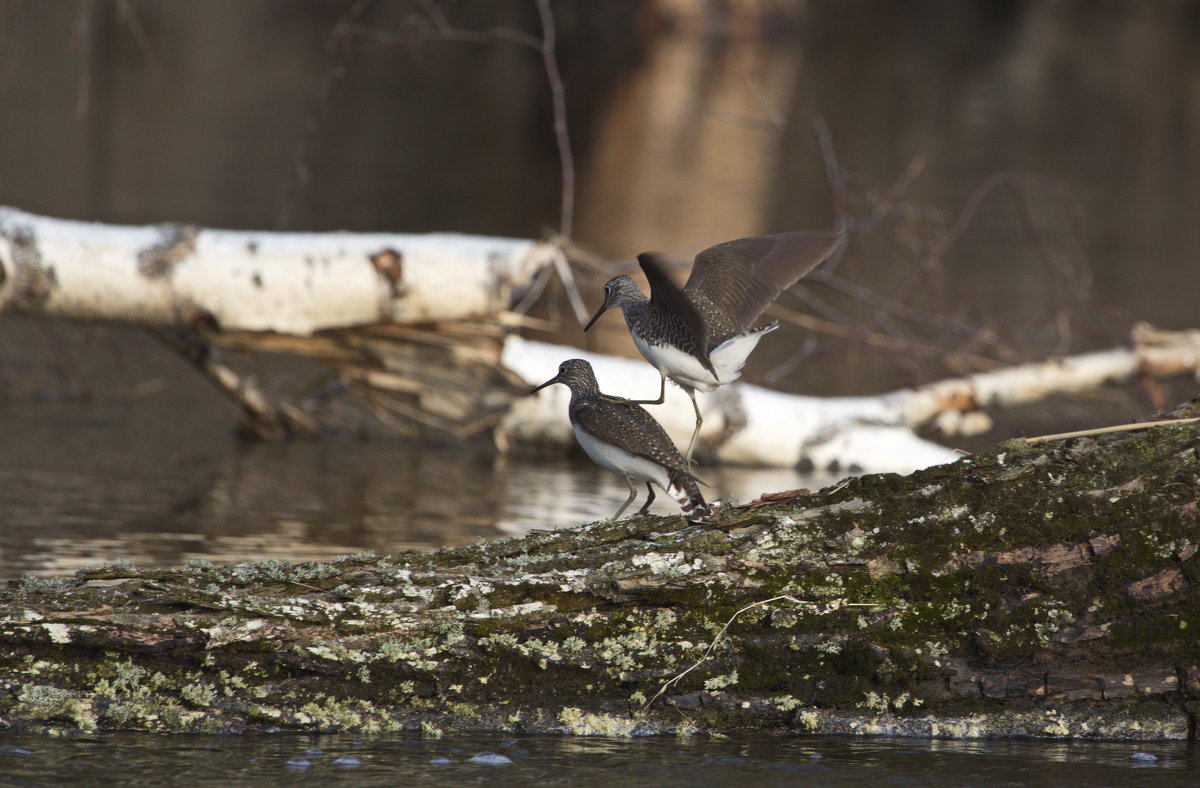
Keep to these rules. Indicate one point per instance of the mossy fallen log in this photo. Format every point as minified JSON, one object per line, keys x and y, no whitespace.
{"x":1044,"y":591}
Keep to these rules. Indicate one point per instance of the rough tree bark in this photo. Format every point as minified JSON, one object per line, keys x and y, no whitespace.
{"x":1043,"y":591}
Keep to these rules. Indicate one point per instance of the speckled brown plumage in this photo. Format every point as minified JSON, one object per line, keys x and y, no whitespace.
{"x":629,"y":427}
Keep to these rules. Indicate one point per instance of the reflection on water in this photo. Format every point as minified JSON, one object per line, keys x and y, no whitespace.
{"x":817,"y":762}
{"x":547,"y":494}
{"x":81,"y":485}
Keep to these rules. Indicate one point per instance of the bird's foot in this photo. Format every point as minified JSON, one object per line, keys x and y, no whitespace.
{"x":624,"y":401}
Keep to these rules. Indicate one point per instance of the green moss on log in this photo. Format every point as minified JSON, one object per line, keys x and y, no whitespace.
{"x":1046,"y":591}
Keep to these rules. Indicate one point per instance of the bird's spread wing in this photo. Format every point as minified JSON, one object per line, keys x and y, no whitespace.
{"x":673,"y":306}
{"x":631,"y":428}
{"x":732,"y":283}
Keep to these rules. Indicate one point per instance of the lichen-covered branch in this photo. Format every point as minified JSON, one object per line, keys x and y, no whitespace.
{"x":1046,"y":591}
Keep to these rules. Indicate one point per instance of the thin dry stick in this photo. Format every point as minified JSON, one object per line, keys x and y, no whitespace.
{"x":878,"y":339}
{"x":545,"y":46}
{"x":885,"y":205}
{"x":1140,"y":425}
{"x":568,"y":280}
{"x":81,"y":35}
{"x":535,"y":291}
{"x":444,"y":30}
{"x":135,"y":28}
{"x":384,"y":412}
{"x":947,"y":237}
{"x":333,"y":81}
{"x":810,"y":605}
{"x":558,"y":97}
{"x":836,"y":176}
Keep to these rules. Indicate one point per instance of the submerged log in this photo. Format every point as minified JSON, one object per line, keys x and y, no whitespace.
{"x":1045,"y":590}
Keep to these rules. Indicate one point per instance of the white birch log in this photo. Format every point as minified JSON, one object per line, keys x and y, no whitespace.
{"x":291,"y":283}
{"x":954,"y":402}
{"x":743,"y":424}
{"x":749,"y":425}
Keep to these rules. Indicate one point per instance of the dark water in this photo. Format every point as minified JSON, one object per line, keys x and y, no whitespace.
{"x":820,"y":762}
{"x":83,"y":483}
{"x":143,"y":466}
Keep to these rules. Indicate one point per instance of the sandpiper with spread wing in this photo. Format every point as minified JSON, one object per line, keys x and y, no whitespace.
{"x":700,"y":335}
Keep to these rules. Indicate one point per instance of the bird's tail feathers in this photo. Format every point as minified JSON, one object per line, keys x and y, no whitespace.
{"x":686,"y":492}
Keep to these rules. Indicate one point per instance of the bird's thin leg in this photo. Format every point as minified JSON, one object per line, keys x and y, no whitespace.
{"x":662,"y":395}
{"x":632,"y":494}
{"x":650,"y":500}
{"x":699,"y":420}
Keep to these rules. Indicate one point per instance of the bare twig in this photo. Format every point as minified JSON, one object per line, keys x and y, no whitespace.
{"x":1141,"y":425}
{"x":334,"y":79}
{"x":561,"y":135}
{"x":904,"y":319}
{"x":837,"y":183}
{"x":568,"y":280}
{"x":82,"y":32}
{"x":818,"y":608}
{"x":81,"y":36}
{"x":891,"y":195}
{"x":135,"y":27}
{"x":881,"y":341}
{"x":261,"y":417}
{"x":441,"y":29}
{"x":448,"y":32}
{"x":535,"y":291}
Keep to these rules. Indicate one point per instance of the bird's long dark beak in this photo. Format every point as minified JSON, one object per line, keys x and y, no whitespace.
{"x":549,"y":382}
{"x":596,"y":316}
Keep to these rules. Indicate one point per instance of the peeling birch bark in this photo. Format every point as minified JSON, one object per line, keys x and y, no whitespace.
{"x":290,"y":283}
{"x":1152,"y":352}
{"x":333,"y":296}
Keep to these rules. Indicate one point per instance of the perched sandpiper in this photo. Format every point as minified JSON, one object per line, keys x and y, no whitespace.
{"x":700,"y":336}
{"x":623,"y":438}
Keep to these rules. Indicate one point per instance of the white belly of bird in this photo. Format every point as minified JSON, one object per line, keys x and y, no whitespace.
{"x":727,"y":359}
{"x":621,"y":462}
